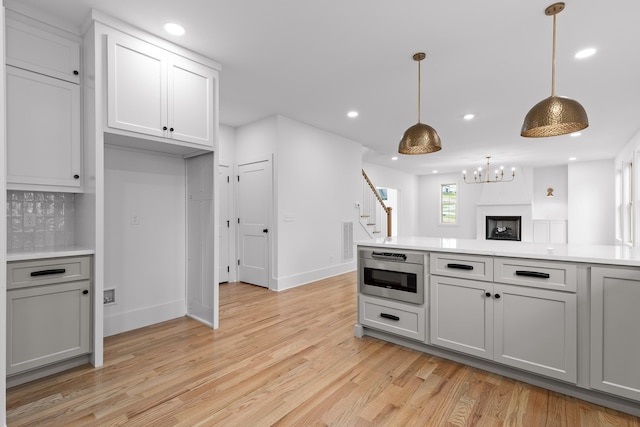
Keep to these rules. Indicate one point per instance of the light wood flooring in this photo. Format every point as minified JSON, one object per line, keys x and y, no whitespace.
{"x":286,"y":359}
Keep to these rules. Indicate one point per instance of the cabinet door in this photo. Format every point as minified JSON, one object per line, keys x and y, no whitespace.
{"x":536,"y":330}
{"x":47,"y":324}
{"x":615,"y":331}
{"x":191,"y":92}
{"x":38,"y":50}
{"x":137,"y":86}
{"x":43,"y":130}
{"x":462,"y":315}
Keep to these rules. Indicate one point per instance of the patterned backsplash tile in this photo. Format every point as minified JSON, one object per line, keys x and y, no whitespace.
{"x":54,"y":220}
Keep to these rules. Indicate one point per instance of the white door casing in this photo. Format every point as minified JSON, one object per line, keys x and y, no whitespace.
{"x":254,"y":201}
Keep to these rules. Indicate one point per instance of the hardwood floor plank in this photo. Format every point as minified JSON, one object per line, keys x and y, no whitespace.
{"x":285,"y":359}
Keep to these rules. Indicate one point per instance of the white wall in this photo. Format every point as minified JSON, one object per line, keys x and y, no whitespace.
{"x":226,"y":145}
{"x":591,"y":203}
{"x":407,"y":186}
{"x":256,"y":141}
{"x":145,"y":263}
{"x":429,"y":207}
{"x":3,"y":239}
{"x":555,"y":207}
{"x":318,"y":176}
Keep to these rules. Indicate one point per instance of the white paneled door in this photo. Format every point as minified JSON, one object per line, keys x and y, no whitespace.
{"x":225,"y":222}
{"x":254,"y":201}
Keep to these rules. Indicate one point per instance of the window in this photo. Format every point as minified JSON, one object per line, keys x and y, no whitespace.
{"x":448,"y":203}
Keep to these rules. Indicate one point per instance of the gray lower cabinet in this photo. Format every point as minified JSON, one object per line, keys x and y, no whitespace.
{"x":615,"y":331}
{"x":48,"y":315}
{"x":529,"y":328}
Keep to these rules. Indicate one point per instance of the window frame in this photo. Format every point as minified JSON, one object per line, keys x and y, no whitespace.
{"x":456,"y":204}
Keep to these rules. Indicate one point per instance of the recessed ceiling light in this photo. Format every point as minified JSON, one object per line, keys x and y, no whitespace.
{"x":174,"y":29}
{"x":571,"y":159}
{"x":585,"y":53}
{"x":434,"y":171}
{"x":394,"y":158}
{"x":576,"y":134}
{"x":352,"y":114}
{"x":468,"y":116}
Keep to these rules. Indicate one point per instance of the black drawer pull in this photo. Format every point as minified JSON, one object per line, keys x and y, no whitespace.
{"x":48,"y":272}
{"x":389,"y":316}
{"x":532,"y":274}
{"x":460,"y":266}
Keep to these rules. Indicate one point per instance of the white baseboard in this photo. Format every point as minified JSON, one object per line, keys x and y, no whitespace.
{"x":123,"y":322}
{"x":295,"y":280}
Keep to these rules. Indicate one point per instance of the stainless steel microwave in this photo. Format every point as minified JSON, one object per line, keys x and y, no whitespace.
{"x":397,"y":275}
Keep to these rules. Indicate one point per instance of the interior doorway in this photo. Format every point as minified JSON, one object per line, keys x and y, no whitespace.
{"x":254,"y":204}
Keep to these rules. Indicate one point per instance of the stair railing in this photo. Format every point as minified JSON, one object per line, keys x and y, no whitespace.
{"x":373,"y":204}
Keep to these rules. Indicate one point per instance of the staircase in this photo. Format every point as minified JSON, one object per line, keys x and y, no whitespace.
{"x":375,"y":216}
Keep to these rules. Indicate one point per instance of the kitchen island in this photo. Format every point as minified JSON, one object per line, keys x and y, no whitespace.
{"x":562,"y":317}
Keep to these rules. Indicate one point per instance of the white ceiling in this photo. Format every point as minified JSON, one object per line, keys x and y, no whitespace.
{"x":313,"y":61}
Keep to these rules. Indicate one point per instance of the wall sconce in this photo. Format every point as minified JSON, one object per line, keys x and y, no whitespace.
{"x":549,"y":192}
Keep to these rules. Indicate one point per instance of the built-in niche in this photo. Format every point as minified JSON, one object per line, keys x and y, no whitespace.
{"x":504,"y":228}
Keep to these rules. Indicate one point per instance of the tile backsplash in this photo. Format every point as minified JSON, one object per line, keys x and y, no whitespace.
{"x":54,"y":220}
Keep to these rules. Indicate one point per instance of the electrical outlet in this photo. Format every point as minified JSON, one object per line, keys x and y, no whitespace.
{"x":135,"y":219}
{"x":29,"y":220}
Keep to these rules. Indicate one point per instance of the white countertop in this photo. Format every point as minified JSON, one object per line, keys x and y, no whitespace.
{"x":594,"y":254}
{"x":56,"y":252}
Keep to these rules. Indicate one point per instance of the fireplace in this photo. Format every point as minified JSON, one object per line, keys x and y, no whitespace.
{"x":504,"y":228}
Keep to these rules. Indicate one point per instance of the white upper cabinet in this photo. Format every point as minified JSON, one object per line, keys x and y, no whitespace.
{"x":43,"y":131}
{"x":43,"y":108}
{"x":158,"y":93}
{"x":41,"y":51}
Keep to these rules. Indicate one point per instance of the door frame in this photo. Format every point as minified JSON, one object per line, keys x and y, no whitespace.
{"x":271,"y":237}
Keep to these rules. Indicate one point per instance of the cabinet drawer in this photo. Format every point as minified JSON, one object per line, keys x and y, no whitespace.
{"x":396,"y":318}
{"x":464,"y":266}
{"x":22,"y":274}
{"x":537,"y":274}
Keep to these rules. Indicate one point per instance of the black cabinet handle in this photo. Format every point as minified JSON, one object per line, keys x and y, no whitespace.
{"x":170,"y":129}
{"x":487,"y":294}
{"x":164,"y":128}
{"x":76,"y":176}
{"x":389,"y":316}
{"x":85,"y":292}
{"x":460,"y":266}
{"x":532,"y":274}
{"x":497,"y":296}
{"x":48,"y":272}
{"x":265,"y":230}
{"x":75,"y":72}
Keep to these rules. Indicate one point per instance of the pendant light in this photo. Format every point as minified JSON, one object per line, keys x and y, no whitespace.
{"x":555,"y":115}
{"x":419,"y":138}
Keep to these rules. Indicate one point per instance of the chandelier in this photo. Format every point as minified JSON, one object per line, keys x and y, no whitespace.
{"x":498,"y":175}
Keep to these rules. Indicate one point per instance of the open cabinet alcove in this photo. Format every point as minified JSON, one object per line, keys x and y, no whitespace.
{"x":156,"y":219}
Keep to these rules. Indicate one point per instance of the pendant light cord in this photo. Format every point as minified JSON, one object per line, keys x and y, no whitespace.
{"x":553,"y":59}
{"x":419,"y":61}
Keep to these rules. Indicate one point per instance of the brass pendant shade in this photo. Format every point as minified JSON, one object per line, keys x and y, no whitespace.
{"x":555,"y":115}
{"x":419,"y":138}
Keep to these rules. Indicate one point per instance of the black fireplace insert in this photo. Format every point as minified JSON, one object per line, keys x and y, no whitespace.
{"x":504,"y":228}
